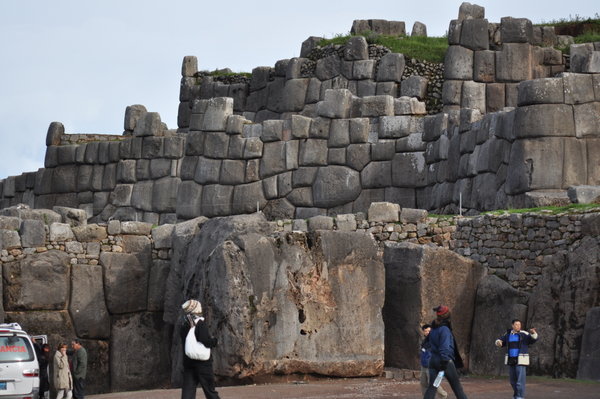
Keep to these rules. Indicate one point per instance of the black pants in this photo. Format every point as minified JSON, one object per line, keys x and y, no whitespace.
{"x":78,"y":388}
{"x":195,"y":375}
{"x":451,"y":375}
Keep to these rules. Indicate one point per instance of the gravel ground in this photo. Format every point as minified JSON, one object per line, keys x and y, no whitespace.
{"x":475,"y":388}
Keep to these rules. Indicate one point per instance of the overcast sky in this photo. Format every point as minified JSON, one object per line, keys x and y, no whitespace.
{"x":82,"y":62}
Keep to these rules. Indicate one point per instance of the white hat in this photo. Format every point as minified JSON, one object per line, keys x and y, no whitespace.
{"x":192,"y":306}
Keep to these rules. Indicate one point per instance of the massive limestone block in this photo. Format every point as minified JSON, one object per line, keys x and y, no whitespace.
{"x":284,"y":304}
{"x":335,"y":185}
{"x":37,"y":282}
{"x":458,"y":63}
{"x":558,"y":305}
{"x":535,"y":164}
{"x":514,"y":62}
{"x":544,"y":120}
{"x":88,"y":306}
{"x":497,"y":303}
{"x":125,"y":282}
{"x":139,"y":352}
{"x":391,"y":67}
{"x":516,"y":30}
{"x":417,"y":279}
{"x":589,"y":357}
{"x":356,"y":48}
{"x":541,"y":91}
{"x":409,"y":170}
{"x":474,"y":34}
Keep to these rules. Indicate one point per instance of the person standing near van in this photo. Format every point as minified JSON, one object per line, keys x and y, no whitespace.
{"x":80,"y":361}
{"x":517,"y":343}
{"x":63,"y":381}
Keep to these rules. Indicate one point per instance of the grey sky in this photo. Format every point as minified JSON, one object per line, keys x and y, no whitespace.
{"x":82,"y":62}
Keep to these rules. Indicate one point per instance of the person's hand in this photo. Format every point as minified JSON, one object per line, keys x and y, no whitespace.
{"x":498,"y":343}
{"x":532,"y":330}
{"x":443,"y":365}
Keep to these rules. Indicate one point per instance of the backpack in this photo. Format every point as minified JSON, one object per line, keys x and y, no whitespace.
{"x":193,"y":348}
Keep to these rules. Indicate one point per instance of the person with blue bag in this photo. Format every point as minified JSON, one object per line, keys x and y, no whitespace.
{"x":444,"y":355}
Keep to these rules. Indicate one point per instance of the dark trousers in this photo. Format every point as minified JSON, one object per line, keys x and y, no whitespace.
{"x":78,"y":388}
{"x":450,"y":374}
{"x":194,"y":376}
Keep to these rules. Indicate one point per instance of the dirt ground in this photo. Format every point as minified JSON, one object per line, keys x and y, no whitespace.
{"x":380,"y":388}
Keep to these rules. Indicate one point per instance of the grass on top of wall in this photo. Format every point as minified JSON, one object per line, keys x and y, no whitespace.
{"x":430,"y":49}
{"x":552,"y":210}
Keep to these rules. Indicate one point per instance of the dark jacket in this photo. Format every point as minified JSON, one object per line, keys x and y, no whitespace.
{"x":443,"y":344}
{"x":425,"y":352}
{"x":518,"y":346}
{"x":203,"y":336}
{"x":80,"y":360}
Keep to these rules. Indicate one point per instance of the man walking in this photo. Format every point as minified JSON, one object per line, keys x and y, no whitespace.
{"x":517,"y":357}
{"x":425,"y":356}
{"x":79,"y":369}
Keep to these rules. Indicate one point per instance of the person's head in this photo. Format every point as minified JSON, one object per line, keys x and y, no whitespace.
{"x":426,"y":328}
{"x":442,"y":312}
{"x":76,"y":344}
{"x":516,"y":325}
{"x":192,"y":306}
{"x":46,"y":348}
{"x":62,"y":348}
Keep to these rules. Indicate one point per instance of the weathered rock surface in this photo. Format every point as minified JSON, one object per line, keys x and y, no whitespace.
{"x":417,"y":279}
{"x":38,"y":282}
{"x":497,"y":303}
{"x":589,"y":357}
{"x":279,"y":301}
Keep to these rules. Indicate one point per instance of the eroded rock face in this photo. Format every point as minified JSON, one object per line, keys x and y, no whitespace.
{"x":497,"y":303}
{"x":567,"y":290}
{"x":284,"y":303}
{"x":38,"y":282}
{"x":417,"y":279}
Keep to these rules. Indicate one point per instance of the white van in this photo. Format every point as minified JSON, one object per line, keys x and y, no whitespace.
{"x":19,"y":368}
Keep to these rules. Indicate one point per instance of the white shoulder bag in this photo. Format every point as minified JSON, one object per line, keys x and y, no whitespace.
{"x":193,"y":348}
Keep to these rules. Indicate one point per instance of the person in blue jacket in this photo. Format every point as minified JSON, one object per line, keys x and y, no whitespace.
{"x":443,"y":354}
{"x":425,"y":356}
{"x":517,"y":343}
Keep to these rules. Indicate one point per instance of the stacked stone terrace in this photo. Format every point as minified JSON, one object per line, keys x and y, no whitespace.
{"x":512,"y":134}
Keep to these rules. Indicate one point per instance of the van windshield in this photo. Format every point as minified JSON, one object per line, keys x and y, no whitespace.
{"x":15,"y":349}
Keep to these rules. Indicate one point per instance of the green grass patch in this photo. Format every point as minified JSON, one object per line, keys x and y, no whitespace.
{"x":588,"y":38}
{"x":430,"y":49}
{"x":553,"y":210}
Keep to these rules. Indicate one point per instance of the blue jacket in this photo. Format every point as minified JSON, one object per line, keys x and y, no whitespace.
{"x":425,"y":352}
{"x":442,"y":343}
{"x":518,"y":346}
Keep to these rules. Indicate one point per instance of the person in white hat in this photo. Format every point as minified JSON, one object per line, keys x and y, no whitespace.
{"x":197,"y":371}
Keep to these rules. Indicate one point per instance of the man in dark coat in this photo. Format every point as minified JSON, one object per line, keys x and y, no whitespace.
{"x":443,"y":354}
{"x":80,"y":360}
{"x":197,"y":371}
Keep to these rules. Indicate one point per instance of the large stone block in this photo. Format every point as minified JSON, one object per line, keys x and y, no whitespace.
{"x":217,"y":111}
{"x":54,"y":133}
{"x":248,"y":198}
{"x":141,"y":198}
{"x":514,"y":63}
{"x":189,"y":200}
{"x":484,"y":66}
{"x":273,"y":160}
{"x":544,"y":120}
{"x":473,"y":96}
{"x":335,"y":185}
{"x":164,"y":194}
{"x":391,"y":67}
{"x":516,"y":30}
{"x":143,"y":339}
{"x":474,"y":34}
{"x":593,"y":149}
{"x":313,"y":152}
{"x":216,"y":200}
{"x":87,"y":305}
{"x":579,"y":88}
{"x":589,"y":360}
{"x":37,"y":282}
{"x":541,"y":91}
{"x":496,"y":304}
{"x":125,"y":282}
{"x":409,"y":170}
{"x":207,"y":170}
{"x":383,"y":212}
{"x":356,"y":48}
{"x":371,"y":106}
{"x":458,"y":63}
{"x":337,"y":104}
{"x":376,"y":175}
{"x":587,"y":119}
{"x":418,"y":278}
{"x":470,"y":11}
{"x":535,"y":164}
{"x":149,"y":124}
{"x":414,"y":86}
{"x":328,"y":67}
{"x":33,"y":233}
